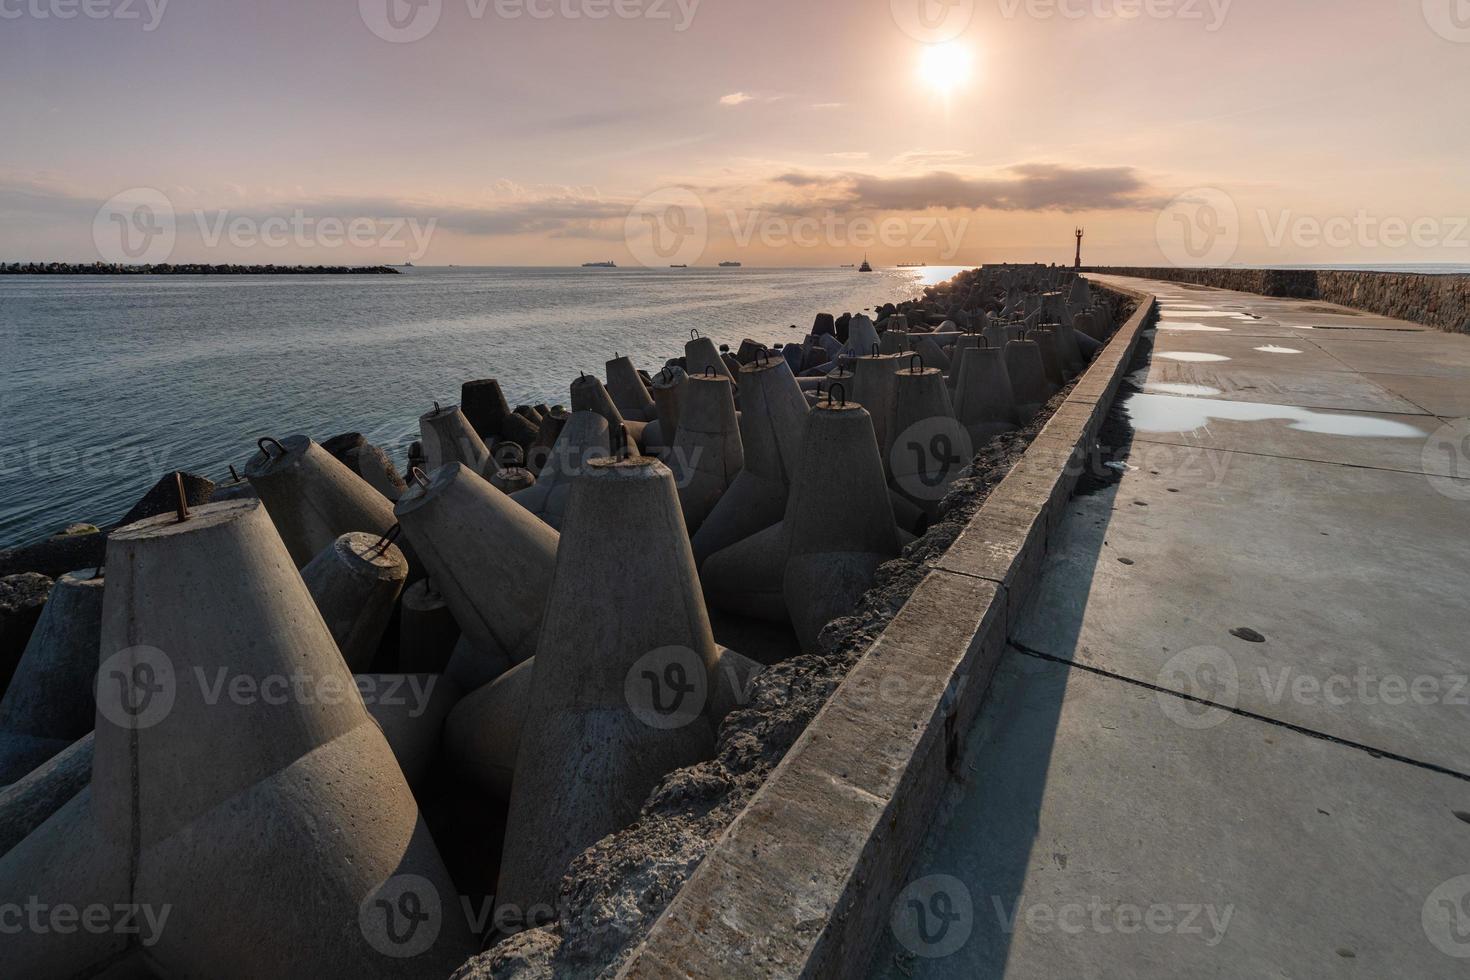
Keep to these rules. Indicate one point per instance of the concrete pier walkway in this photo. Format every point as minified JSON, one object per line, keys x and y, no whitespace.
{"x":1231,"y":735}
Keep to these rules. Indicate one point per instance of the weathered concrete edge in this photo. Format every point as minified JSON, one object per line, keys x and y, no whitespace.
{"x":801,"y":883}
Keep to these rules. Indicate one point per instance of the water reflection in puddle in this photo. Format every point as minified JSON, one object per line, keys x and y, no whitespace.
{"x":1215,"y":314}
{"x":1194,"y":357}
{"x":1191,"y":327}
{"x":1273,"y":349}
{"x":1171,"y":413}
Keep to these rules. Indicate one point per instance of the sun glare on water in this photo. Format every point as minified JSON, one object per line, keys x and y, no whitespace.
{"x":945,"y":67}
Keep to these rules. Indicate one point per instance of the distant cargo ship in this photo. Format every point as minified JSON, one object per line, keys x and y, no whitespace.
{"x":912,"y":265}
{"x":729,"y":265}
{"x":678,"y":267}
{"x":609,"y":264}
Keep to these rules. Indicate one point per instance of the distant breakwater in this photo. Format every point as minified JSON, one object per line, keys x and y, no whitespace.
{"x":1439,"y":301}
{"x":188,"y":269}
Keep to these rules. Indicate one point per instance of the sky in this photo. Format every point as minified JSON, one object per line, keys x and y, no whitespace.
{"x":772,"y":132}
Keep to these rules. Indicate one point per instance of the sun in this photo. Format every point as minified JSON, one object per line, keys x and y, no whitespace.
{"x":945,"y":67}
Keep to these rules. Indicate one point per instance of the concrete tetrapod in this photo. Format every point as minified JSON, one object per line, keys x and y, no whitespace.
{"x":834,"y":551}
{"x":485,"y":406}
{"x":490,"y":558}
{"x":627,"y":390}
{"x":355,"y":584}
{"x":588,"y":395}
{"x":312,"y":498}
{"x":483,"y":734}
{"x":700,"y":354}
{"x":1028,"y":379}
{"x":707,"y":453}
{"x":546,"y":436}
{"x":584,"y":438}
{"x":875,"y":387}
{"x":29,"y":801}
{"x":931,"y":446}
{"x":957,"y":357}
{"x":277,"y":832}
{"x":771,"y":425}
{"x":862,"y":336}
{"x":621,"y":676}
{"x":985,"y":403}
{"x":839,"y":511}
{"x":668,"y":393}
{"x":49,"y":703}
{"x":1051,"y":355}
{"x":427,"y":631}
{"x":362,"y":458}
{"x":448,"y":437}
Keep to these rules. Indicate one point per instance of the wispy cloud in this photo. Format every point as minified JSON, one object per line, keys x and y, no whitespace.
{"x":736,"y":98}
{"x":1020,"y":187}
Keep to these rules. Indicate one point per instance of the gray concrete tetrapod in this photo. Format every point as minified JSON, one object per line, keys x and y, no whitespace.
{"x":490,"y":558}
{"x":482,"y":736}
{"x":485,"y":406}
{"x":355,"y":583}
{"x":862,"y":336}
{"x":706,"y":454}
{"x":985,"y":403}
{"x":621,"y":677}
{"x":839,"y":519}
{"x":933,"y":354}
{"x":411,"y":710}
{"x":49,"y":704}
{"x":200,"y":784}
{"x":1069,"y":348}
{"x":1051,"y":355}
{"x":838,"y":502}
{"x":701,"y":354}
{"x":312,"y":498}
{"x":448,"y":437}
{"x":29,"y":801}
{"x":512,"y":480}
{"x":668,"y":393}
{"x":957,"y":357}
{"x":546,"y":436}
{"x":589,"y":395}
{"x":771,"y":423}
{"x":896,"y":342}
{"x":1028,"y":379}
{"x":931,"y":446}
{"x":584,"y":438}
{"x":427,"y":631}
{"x":627,"y":390}
{"x":875,"y":387}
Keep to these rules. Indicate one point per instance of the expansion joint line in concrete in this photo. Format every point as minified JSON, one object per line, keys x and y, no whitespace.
{"x":1309,"y":732}
{"x":1295,"y":459}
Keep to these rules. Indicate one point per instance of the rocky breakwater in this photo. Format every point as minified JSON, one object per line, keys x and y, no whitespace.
{"x":534,"y":678}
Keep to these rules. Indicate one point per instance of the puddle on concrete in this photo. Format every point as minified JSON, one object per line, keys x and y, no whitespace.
{"x":1273,"y":349}
{"x":1207,"y":314}
{"x":1193,"y":357}
{"x":1171,"y":413}
{"x":1191,"y":327}
{"x":1139,"y":379}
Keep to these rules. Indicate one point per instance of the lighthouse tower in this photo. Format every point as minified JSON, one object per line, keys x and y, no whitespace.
{"x":1078,"y":264}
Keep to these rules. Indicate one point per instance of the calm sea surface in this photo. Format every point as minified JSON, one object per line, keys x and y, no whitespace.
{"x":106,"y":383}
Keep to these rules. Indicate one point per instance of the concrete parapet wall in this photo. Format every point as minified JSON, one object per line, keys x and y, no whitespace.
{"x":1442,"y":302}
{"x":802,"y":883}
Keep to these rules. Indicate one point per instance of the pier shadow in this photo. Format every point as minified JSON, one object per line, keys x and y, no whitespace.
{"x":987,"y":836}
